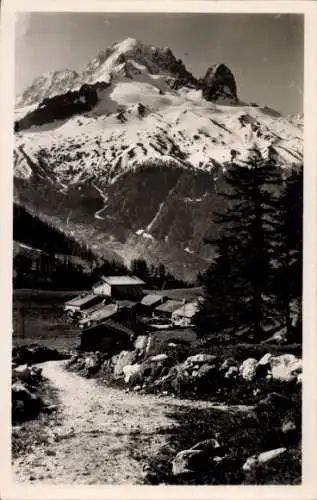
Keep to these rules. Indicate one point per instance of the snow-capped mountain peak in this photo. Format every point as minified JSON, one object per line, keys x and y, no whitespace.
{"x":126,"y":45}
{"x":119,"y":59}
{"x":136,"y":124}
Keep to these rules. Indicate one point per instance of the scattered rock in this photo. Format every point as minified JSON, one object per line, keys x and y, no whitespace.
{"x":129,"y":371}
{"x":141,"y":342}
{"x":265,"y":360}
{"x":25,"y":405}
{"x":188,"y":462}
{"x":255,"y":461}
{"x":159,"y":357}
{"x":121,"y":360}
{"x":288,"y":426}
{"x":232,"y":372}
{"x":210,"y":447}
{"x":248,"y":369}
{"x":172,"y":344}
{"x":206,"y":370}
{"x":285,"y":367}
{"x":276,"y":401}
{"x":227,"y":364}
{"x":199,"y":359}
{"x":50,"y":453}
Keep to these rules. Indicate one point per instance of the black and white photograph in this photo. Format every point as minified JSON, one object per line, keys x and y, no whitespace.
{"x":157,"y":248}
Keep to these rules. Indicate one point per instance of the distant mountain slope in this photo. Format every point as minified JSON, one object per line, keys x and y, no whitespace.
{"x":32,"y":237}
{"x":127,"y":156}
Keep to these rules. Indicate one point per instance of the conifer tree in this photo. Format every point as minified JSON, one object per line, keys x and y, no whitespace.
{"x":286,"y":247}
{"x":236,"y":284}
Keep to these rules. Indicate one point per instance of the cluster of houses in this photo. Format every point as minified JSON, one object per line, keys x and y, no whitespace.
{"x":118,"y":311}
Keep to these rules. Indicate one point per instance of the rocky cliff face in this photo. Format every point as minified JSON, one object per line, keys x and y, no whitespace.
{"x":124,"y":59}
{"x":48,"y":85}
{"x":219,"y":85}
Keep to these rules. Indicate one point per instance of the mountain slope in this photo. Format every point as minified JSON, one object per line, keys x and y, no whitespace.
{"x":130,"y":153}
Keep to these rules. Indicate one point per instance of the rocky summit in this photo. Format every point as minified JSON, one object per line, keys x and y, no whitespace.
{"x":219,"y":85}
{"x":127,"y":155}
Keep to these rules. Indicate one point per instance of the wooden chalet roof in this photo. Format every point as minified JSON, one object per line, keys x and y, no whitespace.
{"x":169,"y":306}
{"x":151,"y":299}
{"x":111,"y":325}
{"x":101,"y":313}
{"x":122,"y":280}
{"x":81,"y":300}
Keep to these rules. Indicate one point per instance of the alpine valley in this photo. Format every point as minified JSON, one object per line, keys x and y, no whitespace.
{"x":127,"y":155}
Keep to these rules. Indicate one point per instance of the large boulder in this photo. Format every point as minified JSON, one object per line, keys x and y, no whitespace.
{"x":159,"y":357}
{"x":285,"y":367}
{"x":130,"y":371}
{"x":121,"y":360}
{"x":279,"y":337}
{"x":226,"y":364}
{"x":231,"y":373}
{"x":73,"y":360}
{"x":219,"y":85}
{"x":141,"y":342}
{"x":206,"y":370}
{"x":256,"y":461}
{"x":91,"y":364}
{"x":188,"y":462}
{"x":211,"y":447}
{"x":25,"y":404}
{"x":265,"y":360}
{"x":28,"y":374}
{"x":203,"y":457}
{"x":199,"y":359}
{"x":23,"y":372}
{"x":248,"y":369}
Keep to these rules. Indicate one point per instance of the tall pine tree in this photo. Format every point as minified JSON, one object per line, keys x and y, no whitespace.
{"x":287,"y":250}
{"x":236,"y":285}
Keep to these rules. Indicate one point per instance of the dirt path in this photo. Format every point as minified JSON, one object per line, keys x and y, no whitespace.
{"x":93,"y":439}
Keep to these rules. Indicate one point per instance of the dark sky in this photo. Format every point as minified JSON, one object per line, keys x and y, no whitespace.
{"x":264,"y":51}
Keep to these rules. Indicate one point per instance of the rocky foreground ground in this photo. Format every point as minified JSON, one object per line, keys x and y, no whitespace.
{"x":150,"y":432}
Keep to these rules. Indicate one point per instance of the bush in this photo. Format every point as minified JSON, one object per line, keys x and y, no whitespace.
{"x":35,"y":353}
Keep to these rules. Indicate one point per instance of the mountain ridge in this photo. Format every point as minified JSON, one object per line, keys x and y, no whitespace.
{"x":103,"y":67}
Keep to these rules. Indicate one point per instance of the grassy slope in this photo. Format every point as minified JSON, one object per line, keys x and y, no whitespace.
{"x":43,"y":320}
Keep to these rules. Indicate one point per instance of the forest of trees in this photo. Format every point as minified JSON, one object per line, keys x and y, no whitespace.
{"x":255,"y":281}
{"x":53,"y":272}
{"x":156,"y":277}
{"x":47,"y":271}
{"x":29,"y":229}
{"x":55,"y":267}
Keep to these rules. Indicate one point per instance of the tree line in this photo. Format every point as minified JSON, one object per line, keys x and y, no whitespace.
{"x":29,"y":229}
{"x":49,"y":271}
{"x":255,"y":282}
{"x":56,"y":265}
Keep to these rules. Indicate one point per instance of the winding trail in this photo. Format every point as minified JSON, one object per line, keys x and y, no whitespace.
{"x":105,"y":199}
{"x":94,"y":437}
